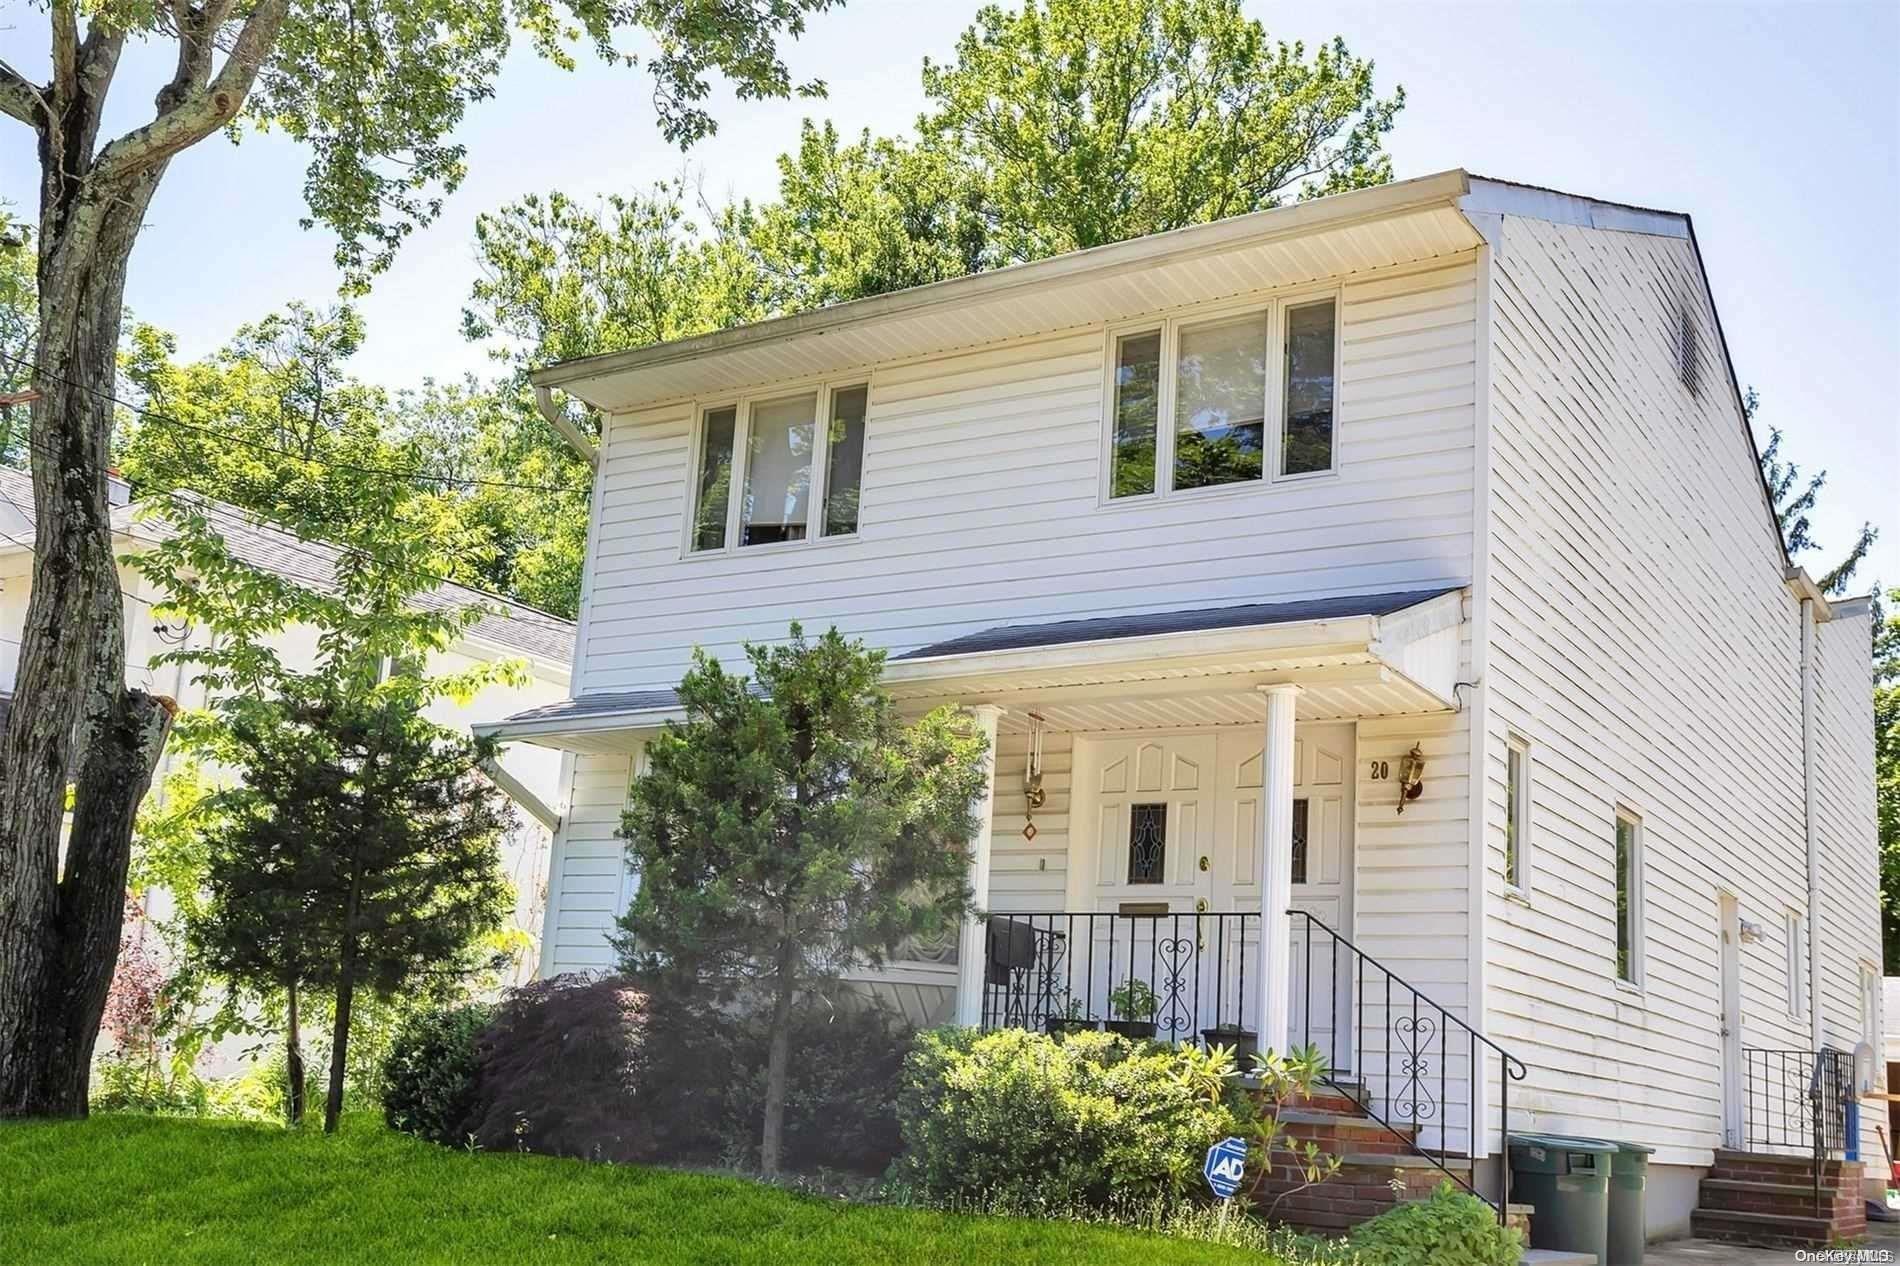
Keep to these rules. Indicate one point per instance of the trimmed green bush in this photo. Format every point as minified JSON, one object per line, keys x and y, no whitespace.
{"x":429,"y":1074}
{"x":1450,"y":1228}
{"x":1019,"y":1120}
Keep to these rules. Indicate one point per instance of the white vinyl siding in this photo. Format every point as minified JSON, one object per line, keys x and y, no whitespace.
{"x":982,"y":505}
{"x":1639,"y":627}
{"x":588,"y":878}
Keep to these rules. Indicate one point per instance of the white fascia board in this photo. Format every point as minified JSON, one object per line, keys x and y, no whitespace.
{"x":1299,"y":218}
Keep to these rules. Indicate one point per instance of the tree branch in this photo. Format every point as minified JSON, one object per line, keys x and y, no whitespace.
{"x":20,"y":97}
{"x":200,"y":111}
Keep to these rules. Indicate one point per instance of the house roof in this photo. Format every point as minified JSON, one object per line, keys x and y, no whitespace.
{"x":981,"y":659}
{"x":507,"y":625}
{"x":1014,"y":637}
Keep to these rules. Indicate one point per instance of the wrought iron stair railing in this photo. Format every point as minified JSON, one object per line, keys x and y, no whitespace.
{"x":1425,"y":1036}
{"x":1196,"y":978}
{"x":1798,"y":1101}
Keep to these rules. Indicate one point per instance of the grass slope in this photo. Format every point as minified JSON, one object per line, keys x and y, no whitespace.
{"x":127,"y":1190}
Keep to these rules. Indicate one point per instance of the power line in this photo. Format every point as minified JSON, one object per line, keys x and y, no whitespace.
{"x":418,"y":475}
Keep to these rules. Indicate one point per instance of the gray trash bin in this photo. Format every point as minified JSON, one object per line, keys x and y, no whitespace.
{"x":1629,"y":1178}
{"x":1567,"y":1182}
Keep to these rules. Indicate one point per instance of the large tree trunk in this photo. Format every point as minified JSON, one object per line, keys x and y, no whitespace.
{"x":59,"y":932}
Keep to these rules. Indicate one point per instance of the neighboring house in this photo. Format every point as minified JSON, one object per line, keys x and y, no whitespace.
{"x":508,"y":631}
{"x":1399,"y":559}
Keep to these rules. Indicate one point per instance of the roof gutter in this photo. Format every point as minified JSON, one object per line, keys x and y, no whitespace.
{"x":564,"y":425}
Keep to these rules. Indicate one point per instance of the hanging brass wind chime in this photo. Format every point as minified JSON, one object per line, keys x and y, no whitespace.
{"x":1033,"y":794}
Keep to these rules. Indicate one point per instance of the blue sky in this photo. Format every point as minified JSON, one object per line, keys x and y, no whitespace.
{"x":1776,"y":125}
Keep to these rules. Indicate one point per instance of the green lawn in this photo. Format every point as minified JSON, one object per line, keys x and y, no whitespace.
{"x":126,"y":1190}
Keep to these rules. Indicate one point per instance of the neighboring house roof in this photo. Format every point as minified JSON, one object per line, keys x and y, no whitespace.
{"x":1018,"y":637}
{"x":507,"y":625}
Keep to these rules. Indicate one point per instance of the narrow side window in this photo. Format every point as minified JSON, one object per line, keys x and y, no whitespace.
{"x":844,"y":460}
{"x":1517,"y":814}
{"x":1629,"y":898}
{"x":1131,"y":458}
{"x":778,"y":452}
{"x":1220,"y":403}
{"x":1797,"y":985}
{"x":1306,"y":439}
{"x":714,"y":493}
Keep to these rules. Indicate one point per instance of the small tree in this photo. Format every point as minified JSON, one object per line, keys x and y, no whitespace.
{"x":792,"y":828}
{"x":347,"y":787}
{"x":362,"y":851}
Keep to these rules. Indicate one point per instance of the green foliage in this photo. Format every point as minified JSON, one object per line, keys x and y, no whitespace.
{"x":1015,"y":1120}
{"x":847,"y":1064}
{"x":118,"y":1189}
{"x":792,"y":827}
{"x":1450,"y":1228}
{"x":429,"y":1074}
{"x":1283,"y":1079}
{"x":1794,"y":500}
{"x":1132,"y":1000}
{"x":1093,"y":121}
{"x":19,"y":329}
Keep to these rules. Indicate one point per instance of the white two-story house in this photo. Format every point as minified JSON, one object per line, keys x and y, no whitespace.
{"x":1383,"y":627}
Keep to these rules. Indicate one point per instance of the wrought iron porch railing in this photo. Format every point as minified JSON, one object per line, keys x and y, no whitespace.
{"x":1389,"y":1048}
{"x":1392,"y":1021}
{"x":1182,"y":973}
{"x":1796,"y":1101}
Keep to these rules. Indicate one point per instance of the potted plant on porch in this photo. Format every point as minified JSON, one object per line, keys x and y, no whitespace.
{"x":1243,"y":1042}
{"x":1133,"y":1004}
{"x":1073,"y":1018}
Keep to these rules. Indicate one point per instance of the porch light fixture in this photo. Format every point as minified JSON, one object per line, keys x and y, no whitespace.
{"x":1034,"y":796}
{"x":1411,"y":776}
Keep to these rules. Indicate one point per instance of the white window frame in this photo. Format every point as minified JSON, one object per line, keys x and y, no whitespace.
{"x":1638,"y":922}
{"x":1518,"y":798}
{"x":1273,"y":435}
{"x":1792,"y":932}
{"x":743,"y":405}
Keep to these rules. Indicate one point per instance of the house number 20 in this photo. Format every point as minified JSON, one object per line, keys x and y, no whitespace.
{"x":1381,"y":770}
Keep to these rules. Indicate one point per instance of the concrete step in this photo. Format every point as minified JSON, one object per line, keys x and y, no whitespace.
{"x":1556,"y":1257}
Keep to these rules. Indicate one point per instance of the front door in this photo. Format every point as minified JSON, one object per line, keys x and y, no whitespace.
{"x":1170,"y":824}
{"x":1323,"y":769}
{"x":1148,"y":882}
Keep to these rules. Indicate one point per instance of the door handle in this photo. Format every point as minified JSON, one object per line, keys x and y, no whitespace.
{"x":1200,"y":938}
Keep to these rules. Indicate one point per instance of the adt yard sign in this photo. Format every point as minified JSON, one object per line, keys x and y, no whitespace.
{"x":1226,"y":1164}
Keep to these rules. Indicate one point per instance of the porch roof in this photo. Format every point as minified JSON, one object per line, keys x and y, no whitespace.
{"x":1382,"y":654}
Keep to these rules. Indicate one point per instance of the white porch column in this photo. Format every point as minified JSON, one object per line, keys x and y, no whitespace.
{"x":970,"y":941}
{"x":1276,"y":867}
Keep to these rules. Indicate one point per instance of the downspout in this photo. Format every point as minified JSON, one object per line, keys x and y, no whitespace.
{"x":564,"y":426}
{"x":1812,"y":821}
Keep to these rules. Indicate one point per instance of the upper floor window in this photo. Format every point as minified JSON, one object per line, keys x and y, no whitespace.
{"x":797,"y":479}
{"x":1220,"y":384}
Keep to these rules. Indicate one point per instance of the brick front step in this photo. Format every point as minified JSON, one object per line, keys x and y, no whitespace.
{"x":1749,"y":1196}
{"x":1774,"y":1230}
